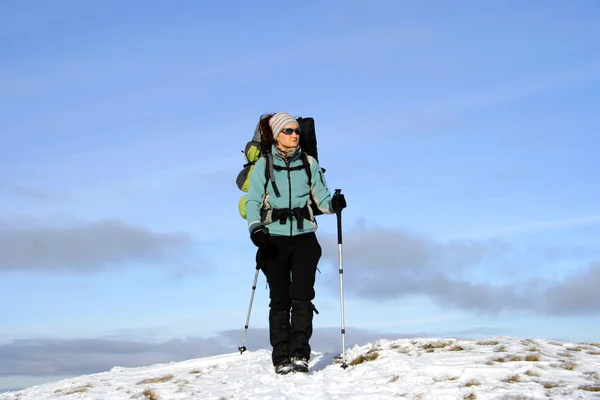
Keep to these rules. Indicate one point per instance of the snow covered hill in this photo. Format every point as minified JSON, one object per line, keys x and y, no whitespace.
{"x":496,"y":368}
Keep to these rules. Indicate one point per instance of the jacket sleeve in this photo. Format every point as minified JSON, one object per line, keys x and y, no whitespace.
{"x":255,"y":196}
{"x":320,"y":191}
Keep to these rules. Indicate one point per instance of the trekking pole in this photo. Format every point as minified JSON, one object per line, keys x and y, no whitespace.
{"x":339,"y":231}
{"x":242,"y":348}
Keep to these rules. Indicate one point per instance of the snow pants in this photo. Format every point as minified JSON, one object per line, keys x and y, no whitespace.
{"x":290,"y":264}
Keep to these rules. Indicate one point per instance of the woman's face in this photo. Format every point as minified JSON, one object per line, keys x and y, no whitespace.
{"x":289,"y":141}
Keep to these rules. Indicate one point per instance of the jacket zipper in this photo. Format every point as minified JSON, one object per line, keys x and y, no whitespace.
{"x":290,"y":192}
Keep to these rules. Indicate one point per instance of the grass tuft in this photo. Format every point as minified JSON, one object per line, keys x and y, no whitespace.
{"x":590,"y":388}
{"x":594,"y":353}
{"x":370,"y":356}
{"x":435,"y":345}
{"x":456,"y":348}
{"x":150,"y":394}
{"x":531,"y":372}
{"x":394,"y":378}
{"x":501,"y":349}
{"x":79,"y":389}
{"x":195,"y":371}
{"x":549,"y":385}
{"x":470,"y":396}
{"x":472,"y":382}
{"x":160,"y":379}
{"x":533,"y":357}
{"x":488,"y":343}
{"x":512,"y":379}
{"x":569,"y":365}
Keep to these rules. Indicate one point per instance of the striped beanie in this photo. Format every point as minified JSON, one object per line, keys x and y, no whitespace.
{"x":279,"y":121}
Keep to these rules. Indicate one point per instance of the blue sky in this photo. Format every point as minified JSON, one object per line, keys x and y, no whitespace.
{"x":464,"y":135}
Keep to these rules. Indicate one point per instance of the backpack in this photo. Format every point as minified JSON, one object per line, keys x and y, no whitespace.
{"x":257,"y":148}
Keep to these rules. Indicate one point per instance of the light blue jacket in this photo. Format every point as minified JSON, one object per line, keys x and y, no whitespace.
{"x":294,"y":193}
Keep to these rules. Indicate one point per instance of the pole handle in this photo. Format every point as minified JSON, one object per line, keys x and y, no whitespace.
{"x":339,"y":218}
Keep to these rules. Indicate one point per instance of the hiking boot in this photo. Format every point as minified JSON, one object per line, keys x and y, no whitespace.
{"x":299,"y":364}
{"x":283,"y":367}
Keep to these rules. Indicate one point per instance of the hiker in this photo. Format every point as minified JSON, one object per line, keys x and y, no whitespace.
{"x":280,"y":214}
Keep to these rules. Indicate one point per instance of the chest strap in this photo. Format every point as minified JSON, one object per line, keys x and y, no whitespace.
{"x":284,"y":214}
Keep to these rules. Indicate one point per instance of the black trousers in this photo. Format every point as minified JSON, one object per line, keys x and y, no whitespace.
{"x":290,"y":265}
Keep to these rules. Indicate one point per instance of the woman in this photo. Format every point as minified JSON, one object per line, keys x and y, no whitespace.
{"x":280,"y":213}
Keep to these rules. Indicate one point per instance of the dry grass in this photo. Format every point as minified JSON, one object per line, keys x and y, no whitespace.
{"x":515,"y":358}
{"x":370,"y":356}
{"x":590,"y":388}
{"x":150,"y":394}
{"x":549,"y":385}
{"x":594,"y":353}
{"x":592,"y":375}
{"x":555,"y":343}
{"x":512,"y":379}
{"x":529,"y":342}
{"x":394,"y":378}
{"x":435,"y":345}
{"x":472,"y":382}
{"x":533,"y":349}
{"x":195,"y":372}
{"x":499,"y":359}
{"x":456,"y":348}
{"x":470,"y":396}
{"x":565,"y":354}
{"x":501,"y":349}
{"x":568,"y":365}
{"x":160,"y":379}
{"x":488,"y":343}
{"x":531,"y":372}
{"x":79,"y":389}
{"x":533,"y":357}
{"x":578,"y":348}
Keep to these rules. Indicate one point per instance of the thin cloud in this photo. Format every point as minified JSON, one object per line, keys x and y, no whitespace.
{"x":85,"y":356}
{"x":538,"y":226}
{"x":73,"y":357}
{"x":35,"y":195}
{"x":388,"y":264}
{"x":86,"y":247}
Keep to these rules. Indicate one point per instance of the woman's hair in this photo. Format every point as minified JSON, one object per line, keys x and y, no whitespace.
{"x":265,"y":129}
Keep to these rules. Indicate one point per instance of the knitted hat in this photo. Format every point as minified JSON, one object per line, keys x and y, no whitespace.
{"x":279,"y":121}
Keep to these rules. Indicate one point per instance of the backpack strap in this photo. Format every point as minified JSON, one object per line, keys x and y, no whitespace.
{"x":286,"y":213}
{"x":269,"y":166}
{"x":313,"y":204}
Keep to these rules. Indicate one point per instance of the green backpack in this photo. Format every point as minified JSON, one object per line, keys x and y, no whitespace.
{"x":256,"y":148}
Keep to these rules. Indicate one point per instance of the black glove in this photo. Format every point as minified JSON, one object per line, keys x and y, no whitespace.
{"x":338,"y":202}
{"x":259,"y":237}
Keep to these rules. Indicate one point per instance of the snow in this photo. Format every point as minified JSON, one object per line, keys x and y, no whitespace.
{"x":495,"y":368}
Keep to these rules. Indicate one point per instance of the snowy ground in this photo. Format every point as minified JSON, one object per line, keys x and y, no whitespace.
{"x":497,"y":368}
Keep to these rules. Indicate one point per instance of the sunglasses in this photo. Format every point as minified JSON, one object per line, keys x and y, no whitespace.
{"x":289,"y":131}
